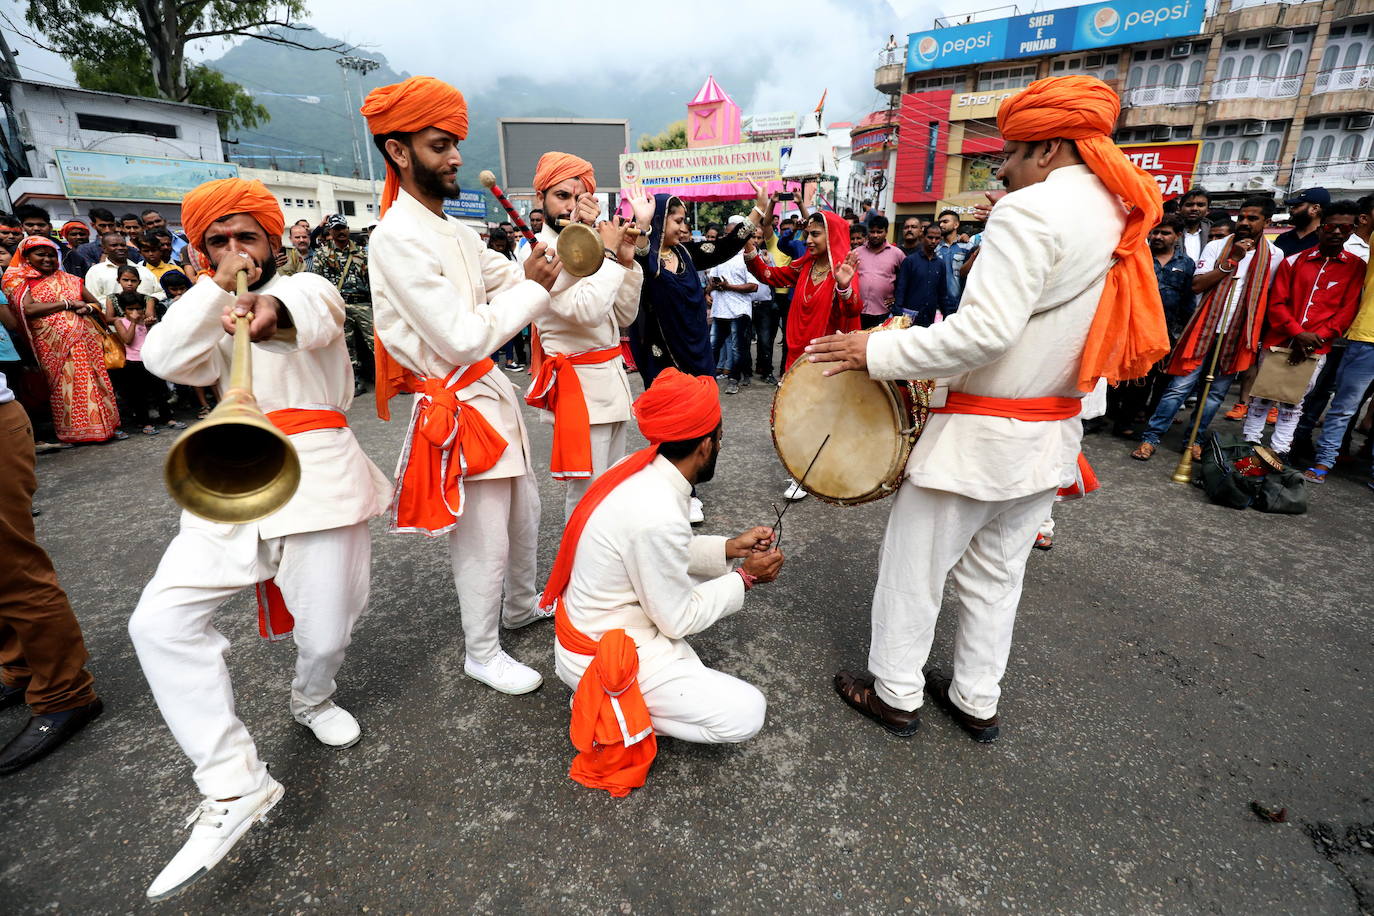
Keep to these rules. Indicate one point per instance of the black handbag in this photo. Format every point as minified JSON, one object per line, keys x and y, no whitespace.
{"x":1283,"y":492}
{"x":1219,"y":479}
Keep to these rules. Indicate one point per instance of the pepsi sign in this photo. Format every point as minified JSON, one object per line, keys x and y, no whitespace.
{"x":1075,"y":28}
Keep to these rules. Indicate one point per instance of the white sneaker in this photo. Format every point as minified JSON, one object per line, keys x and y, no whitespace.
{"x":695,"y":512}
{"x":333,"y":725}
{"x":503,"y":673}
{"x":534,"y":616}
{"x":215,"y":827}
{"x":794,"y":491}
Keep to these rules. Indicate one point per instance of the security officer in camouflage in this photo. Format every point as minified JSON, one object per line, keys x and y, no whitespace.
{"x":344,"y":263}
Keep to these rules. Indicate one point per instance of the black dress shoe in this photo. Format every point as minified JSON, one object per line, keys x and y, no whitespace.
{"x":11,"y":696}
{"x":983,"y":731}
{"x":859,"y":694}
{"x":45,"y":734}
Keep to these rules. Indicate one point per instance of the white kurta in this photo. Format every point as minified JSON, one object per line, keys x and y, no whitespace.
{"x":1019,"y":333}
{"x":440,"y":300}
{"x":639,"y":568}
{"x":317,"y":546}
{"x":103,"y":281}
{"x":978,"y":487}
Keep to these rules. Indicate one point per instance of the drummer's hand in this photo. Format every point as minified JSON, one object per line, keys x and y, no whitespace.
{"x":846,"y":351}
{"x":588,"y":210}
{"x":542,"y":266}
{"x":226,"y":274}
{"x":755,"y":540}
{"x":267,"y":311}
{"x":764,"y":566}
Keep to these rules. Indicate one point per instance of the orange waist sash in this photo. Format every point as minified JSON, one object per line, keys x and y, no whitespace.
{"x":293,"y":420}
{"x":557,"y":388}
{"x":610,"y":727}
{"x":1032,"y":409}
{"x":446,"y":442}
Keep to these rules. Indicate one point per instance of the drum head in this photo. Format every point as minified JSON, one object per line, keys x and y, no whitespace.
{"x":864,"y":418}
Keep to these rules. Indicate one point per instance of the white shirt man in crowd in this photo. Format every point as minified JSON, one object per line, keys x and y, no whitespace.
{"x":103,"y":280}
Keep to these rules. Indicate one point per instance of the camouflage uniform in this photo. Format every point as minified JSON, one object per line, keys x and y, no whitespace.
{"x":356,"y":290}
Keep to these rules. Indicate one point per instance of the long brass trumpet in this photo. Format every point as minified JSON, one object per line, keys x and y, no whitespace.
{"x":234,"y":466}
{"x":579,"y":247}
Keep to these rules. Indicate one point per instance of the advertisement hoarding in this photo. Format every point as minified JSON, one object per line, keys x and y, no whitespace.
{"x":467,"y":205}
{"x":1171,"y":164}
{"x":1075,"y":28}
{"x":964,"y":106}
{"x":111,"y":176}
{"x":715,"y":173}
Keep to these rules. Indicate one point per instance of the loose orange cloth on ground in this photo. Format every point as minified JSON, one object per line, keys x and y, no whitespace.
{"x":215,"y":200}
{"x":274,"y":617}
{"x":557,"y":388}
{"x":1128,"y":334}
{"x":409,"y":106}
{"x":447,"y":441}
{"x":554,"y":168}
{"x":609,"y":716}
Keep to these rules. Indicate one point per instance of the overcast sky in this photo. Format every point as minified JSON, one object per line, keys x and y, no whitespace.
{"x":800,"y":46}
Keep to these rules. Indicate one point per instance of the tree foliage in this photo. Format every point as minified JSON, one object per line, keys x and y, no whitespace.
{"x":147,"y":40}
{"x":674,"y":136}
{"x":132,"y":74}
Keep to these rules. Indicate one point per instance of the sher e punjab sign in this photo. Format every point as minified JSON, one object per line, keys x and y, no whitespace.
{"x":1074,"y":28}
{"x":1170,"y":164}
{"x":110,"y":176}
{"x":964,"y":106}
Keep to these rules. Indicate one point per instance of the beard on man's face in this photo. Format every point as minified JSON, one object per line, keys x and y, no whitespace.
{"x":269,"y":270}
{"x":708,"y":470}
{"x":434,"y":182}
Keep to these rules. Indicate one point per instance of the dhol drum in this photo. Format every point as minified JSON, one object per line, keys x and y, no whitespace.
{"x":872,"y":426}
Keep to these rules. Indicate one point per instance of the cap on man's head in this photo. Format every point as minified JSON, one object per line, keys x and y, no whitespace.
{"x":1319,"y":196}
{"x":734,"y":220}
{"x":335,"y":221}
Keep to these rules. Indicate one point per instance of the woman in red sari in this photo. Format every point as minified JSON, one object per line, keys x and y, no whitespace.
{"x":59,"y":315}
{"x":826,"y":299}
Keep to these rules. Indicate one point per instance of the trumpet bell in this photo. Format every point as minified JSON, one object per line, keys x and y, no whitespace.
{"x":234,"y":466}
{"x":580,"y":249}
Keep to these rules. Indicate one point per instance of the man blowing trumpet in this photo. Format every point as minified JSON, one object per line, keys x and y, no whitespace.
{"x":1062,"y":294}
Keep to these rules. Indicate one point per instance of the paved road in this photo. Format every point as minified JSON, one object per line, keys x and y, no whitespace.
{"x":1174,"y":662}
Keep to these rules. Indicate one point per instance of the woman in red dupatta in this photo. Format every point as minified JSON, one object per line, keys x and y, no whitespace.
{"x":826,"y":299}
{"x":58,"y":313}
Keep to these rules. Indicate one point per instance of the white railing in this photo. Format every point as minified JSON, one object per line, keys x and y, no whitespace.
{"x":1333,"y":172}
{"x":1257,"y":87}
{"x":1234,"y":175}
{"x":1342,"y":78}
{"x":1143,"y":96}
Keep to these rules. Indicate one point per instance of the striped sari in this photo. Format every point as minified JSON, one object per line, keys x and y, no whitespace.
{"x":68,"y":348}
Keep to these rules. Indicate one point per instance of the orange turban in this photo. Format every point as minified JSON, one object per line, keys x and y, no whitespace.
{"x":411,"y":105}
{"x":70,"y":225}
{"x":554,"y":168}
{"x":215,"y":200}
{"x":1128,"y":334}
{"x":678,"y":406}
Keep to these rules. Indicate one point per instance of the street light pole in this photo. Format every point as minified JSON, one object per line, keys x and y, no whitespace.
{"x":361,"y":66}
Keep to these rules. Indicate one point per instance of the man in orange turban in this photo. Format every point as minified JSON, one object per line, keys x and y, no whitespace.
{"x":580,"y":383}
{"x":629,"y":564}
{"x":1062,"y":294}
{"x":442,"y":302}
{"x":309,"y":560}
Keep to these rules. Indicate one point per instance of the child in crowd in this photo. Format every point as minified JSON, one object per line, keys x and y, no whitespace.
{"x":137,"y":387}
{"x":128,"y":278}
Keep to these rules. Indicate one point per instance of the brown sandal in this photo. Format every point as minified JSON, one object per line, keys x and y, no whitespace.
{"x":858,"y":693}
{"x":1144,"y":451}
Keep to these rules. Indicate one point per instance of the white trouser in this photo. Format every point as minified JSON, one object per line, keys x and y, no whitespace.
{"x":1257,"y":413}
{"x":492,"y":549}
{"x":324,"y":579}
{"x":691,"y":702}
{"x":931,"y":534}
{"x":608,"y":447}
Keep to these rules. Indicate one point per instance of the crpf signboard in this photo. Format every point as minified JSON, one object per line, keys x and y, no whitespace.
{"x":1074,"y":28}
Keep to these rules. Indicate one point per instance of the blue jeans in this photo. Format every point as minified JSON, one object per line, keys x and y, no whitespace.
{"x":730,"y":338}
{"x":1352,"y":380}
{"x":1179,"y":388}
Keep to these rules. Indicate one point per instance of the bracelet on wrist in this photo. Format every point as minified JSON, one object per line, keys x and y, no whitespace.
{"x":749,"y":581}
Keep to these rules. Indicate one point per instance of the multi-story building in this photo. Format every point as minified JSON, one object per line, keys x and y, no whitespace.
{"x":1277,"y":96}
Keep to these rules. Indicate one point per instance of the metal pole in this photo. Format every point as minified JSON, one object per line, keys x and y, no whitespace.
{"x":351,"y":115}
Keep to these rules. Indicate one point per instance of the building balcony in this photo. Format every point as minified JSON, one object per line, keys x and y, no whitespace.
{"x":1145,"y":96}
{"x":1340,"y":79}
{"x":887,"y":78}
{"x":1238,"y":175}
{"x":1257,"y":87}
{"x":1346,"y":9}
{"x":1334,"y":173}
{"x":1263,"y":15}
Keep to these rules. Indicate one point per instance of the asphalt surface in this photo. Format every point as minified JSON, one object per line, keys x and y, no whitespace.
{"x":1174,"y":662}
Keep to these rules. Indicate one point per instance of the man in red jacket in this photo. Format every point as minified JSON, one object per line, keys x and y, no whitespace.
{"x":1315,"y":296}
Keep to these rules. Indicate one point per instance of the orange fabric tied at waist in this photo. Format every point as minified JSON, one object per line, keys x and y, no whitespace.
{"x":446,"y":442}
{"x":293,"y":420}
{"x":610,"y":727}
{"x":557,"y":388}
{"x":1085,"y":481}
{"x":1032,"y":409}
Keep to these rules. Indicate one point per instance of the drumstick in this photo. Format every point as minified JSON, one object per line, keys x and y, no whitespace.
{"x":489,"y":182}
{"x":777,"y":529}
